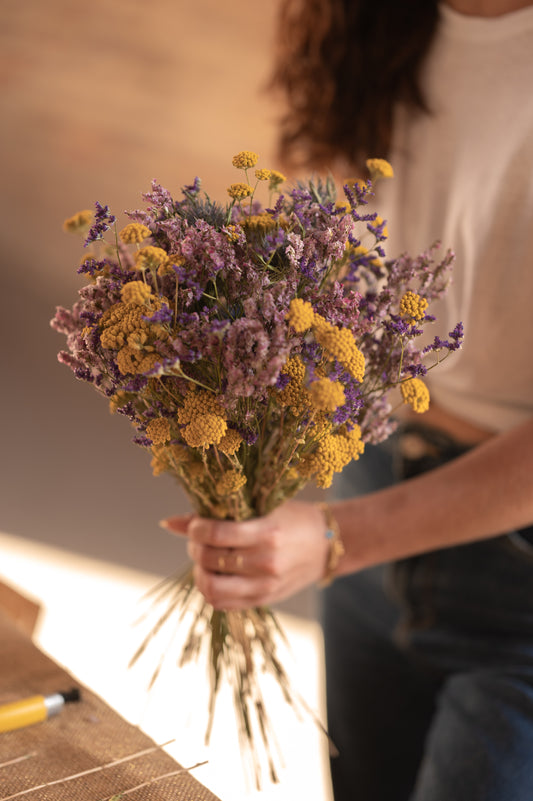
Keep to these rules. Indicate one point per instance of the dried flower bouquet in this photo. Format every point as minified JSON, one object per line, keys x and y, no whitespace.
{"x":253,"y":349}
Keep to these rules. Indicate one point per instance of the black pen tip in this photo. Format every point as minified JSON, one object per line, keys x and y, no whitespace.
{"x":71,"y":695}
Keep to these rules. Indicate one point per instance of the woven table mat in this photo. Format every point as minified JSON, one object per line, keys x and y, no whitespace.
{"x":84,"y":736}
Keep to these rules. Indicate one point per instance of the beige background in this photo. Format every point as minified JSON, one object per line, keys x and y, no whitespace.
{"x":98,"y":99}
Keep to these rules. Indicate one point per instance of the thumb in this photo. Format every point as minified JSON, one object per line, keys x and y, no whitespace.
{"x":177,"y":525}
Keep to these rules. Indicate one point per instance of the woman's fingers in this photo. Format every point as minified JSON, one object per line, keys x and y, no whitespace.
{"x":231,"y":534}
{"x":226,"y":591}
{"x":177,"y":525}
{"x":258,"y":561}
{"x":236,"y":561}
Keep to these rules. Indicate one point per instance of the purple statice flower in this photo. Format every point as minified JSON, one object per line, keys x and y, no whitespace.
{"x":162,"y":315}
{"x":277,"y":210}
{"x":91,"y":266}
{"x":103,"y":220}
{"x":128,"y":410}
{"x":399,"y":326}
{"x":454,"y":343}
{"x":282,"y":381}
{"x":144,"y":442}
{"x":377,"y":424}
{"x":349,"y":411}
{"x":135,"y":384}
{"x":192,"y":189}
{"x":160,"y":201}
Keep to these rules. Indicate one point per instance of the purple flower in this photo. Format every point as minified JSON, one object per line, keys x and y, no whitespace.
{"x":162,"y":315}
{"x":103,"y":220}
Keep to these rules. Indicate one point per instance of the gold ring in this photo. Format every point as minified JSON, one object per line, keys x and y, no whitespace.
{"x":239,"y":560}
{"x":221,"y":562}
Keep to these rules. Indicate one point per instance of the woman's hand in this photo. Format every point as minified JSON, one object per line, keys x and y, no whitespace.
{"x":256,"y":562}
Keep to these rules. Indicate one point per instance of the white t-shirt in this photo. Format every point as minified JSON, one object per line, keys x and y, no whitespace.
{"x":464,"y":176}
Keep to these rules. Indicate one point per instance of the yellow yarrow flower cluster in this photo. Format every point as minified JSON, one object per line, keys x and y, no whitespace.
{"x":79,"y":222}
{"x":326,"y":395}
{"x":340,"y":344}
{"x":158,"y":430}
{"x":262,"y":223}
{"x":205,"y":430}
{"x":379,"y":168}
{"x":232,"y":233}
{"x":355,"y":183}
{"x":203,"y":417}
{"x":239,"y":191}
{"x":150,"y":258}
{"x":295,"y":395}
{"x":134,"y":233}
{"x":413,"y":307}
{"x":332,"y":454}
{"x":123,"y":329}
{"x":301,"y":315}
{"x":263,"y":175}
{"x":416,"y":394}
{"x":136,"y":292}
{"x":230,"y":442}
{"x":169,"y":457}
{"x":245,"y":159}
{"x":230,"y":482}
{"x":276,"y":178}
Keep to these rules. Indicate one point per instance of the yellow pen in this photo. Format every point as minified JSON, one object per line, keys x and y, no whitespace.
{"x":34,"y":709}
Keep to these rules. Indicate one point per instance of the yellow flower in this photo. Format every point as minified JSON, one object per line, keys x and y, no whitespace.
{"x":262,"y":223}
{"x":133,"y":360}
{"x":230,"y":483}
{"x":276,"y":178}
{"x":340,"y":343}
{"x":413,"y":307}
{"x":158,"y":430}
{"x":245,"y":159}
{"x":332,"y":454}
{"x":199,"y":401}
{"x":353,"y":441}
{"x":326,"y":395}
{"x":136,"y":292}
{"x":79,"y":222}
{"x":239,"y":191}
{"x":294,"y":396}
{"x":134,"y":233}
{"x":355,"y":183}
{"x":230,"y":442}
{"x":379,"y":168}
{"x":205,"y":430}
{"x":300,"y":315}
{"x":263,"y":175}
{"x":232,"y":233}
{"x":416,"y":394}
{"x":150,"y":258}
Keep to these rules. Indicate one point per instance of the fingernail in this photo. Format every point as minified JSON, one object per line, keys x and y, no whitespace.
{"x":164,"y":524}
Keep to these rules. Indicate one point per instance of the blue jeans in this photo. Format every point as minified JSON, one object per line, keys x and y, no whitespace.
{"x":429,"y":666}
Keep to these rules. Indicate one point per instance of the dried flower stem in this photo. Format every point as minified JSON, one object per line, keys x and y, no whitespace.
{"x":18,"y":759}
{"x":154,"y":780}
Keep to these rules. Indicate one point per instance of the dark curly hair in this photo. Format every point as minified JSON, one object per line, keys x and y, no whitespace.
{"x":341,"y":67}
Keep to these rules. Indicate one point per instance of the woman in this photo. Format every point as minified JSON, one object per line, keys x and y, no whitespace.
{"x":429,"y":623}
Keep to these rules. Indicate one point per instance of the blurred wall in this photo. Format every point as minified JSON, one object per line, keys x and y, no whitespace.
{"x":97,"y":100}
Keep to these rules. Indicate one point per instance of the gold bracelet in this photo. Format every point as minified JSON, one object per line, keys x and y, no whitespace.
{"x":336,"y":547}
